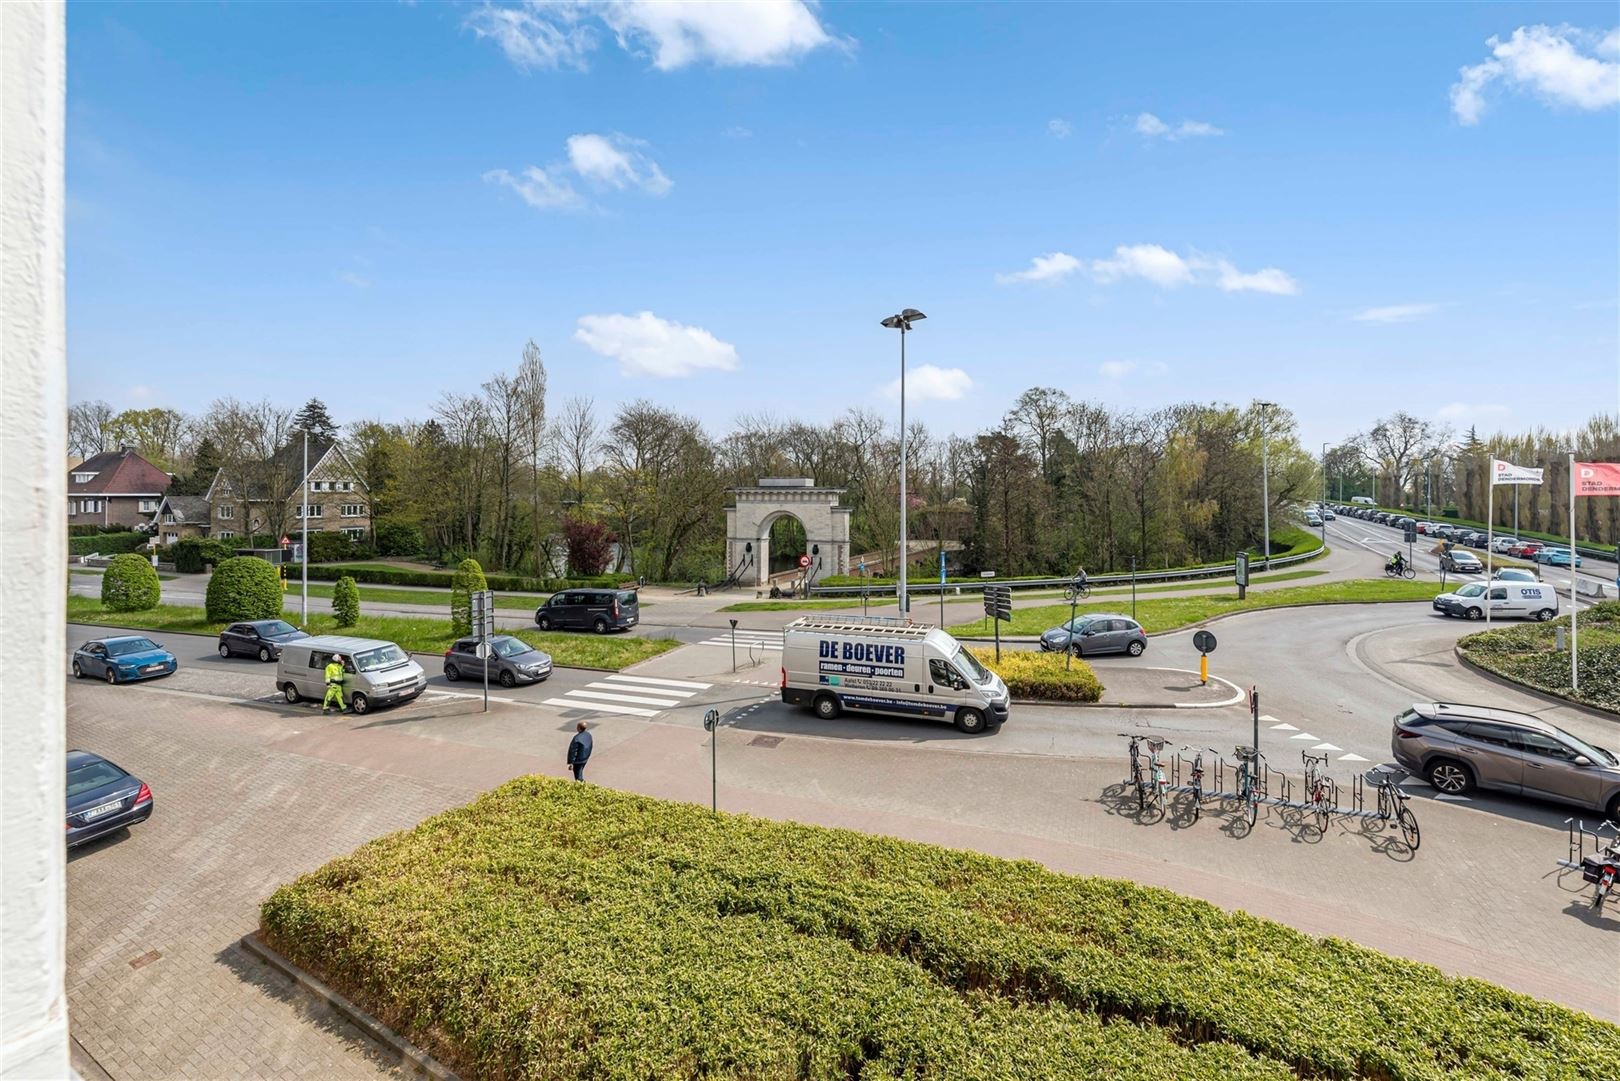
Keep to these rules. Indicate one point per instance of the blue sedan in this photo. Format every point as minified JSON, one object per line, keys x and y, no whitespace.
{"x":122,"y":659}
{"x":1556,"y":557}
{"x":102,"y":798}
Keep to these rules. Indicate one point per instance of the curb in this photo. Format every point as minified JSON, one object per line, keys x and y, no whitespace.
{"x":1206,"y":622}
{"x":1553,"y":699}
{"x":409,"y":1055}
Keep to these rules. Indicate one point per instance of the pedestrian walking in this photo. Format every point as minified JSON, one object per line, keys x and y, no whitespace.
{"x":334,"y":684}
{"x":579,"y":751}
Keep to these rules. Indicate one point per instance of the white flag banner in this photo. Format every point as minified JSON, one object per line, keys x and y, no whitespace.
{"x":1508,"y":473}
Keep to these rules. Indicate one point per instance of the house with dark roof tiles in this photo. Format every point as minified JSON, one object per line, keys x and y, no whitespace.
{"x":115,"y":487}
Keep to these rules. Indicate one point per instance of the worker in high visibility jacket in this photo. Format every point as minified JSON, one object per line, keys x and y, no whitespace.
{"x":334,"y":684}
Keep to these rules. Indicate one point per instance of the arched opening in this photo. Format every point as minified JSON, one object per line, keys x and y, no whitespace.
{"x":787,"y":543}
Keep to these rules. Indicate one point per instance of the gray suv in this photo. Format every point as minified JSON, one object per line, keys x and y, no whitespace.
{"x":1459,"y":748}
{"x":1100,"y":632}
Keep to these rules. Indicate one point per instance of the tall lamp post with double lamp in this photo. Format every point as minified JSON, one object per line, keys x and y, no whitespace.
{"x":902,"y":322}
{"x":1323,"y":515}
{"x":1265,"y":481}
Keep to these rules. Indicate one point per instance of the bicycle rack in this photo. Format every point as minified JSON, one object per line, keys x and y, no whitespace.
{"x":756,"y":654}
{"x":1176,"y":765}
{"x":1578,"y":835}
{"x":1358,"y":801}
{"x":1285,"y":787}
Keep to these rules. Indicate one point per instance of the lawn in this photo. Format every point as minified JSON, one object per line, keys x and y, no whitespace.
{"x":97,"y":572}
{"x":504,"y":602}
{"x":559,"y":931}
{"x":1169,"y":613}
{"x":1529,"y":654}
{"x":418,"y":635}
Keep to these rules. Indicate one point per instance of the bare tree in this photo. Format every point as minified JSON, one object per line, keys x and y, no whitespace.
{"x":1396,"y":444}
{"x":87,"y":427}
{"x":575,"y":434}
{"x":256,"y":460}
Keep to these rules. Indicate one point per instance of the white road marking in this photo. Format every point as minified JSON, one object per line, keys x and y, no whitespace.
{"x":1267,"y":717}
{"x":602,"y":707}
{"x":1283,"y":726}
{"x":1304,"y":735}
{"x":1454,"y":799}
{"x":1351,"y":758}
{"x":1326,"y":747}
{"x":633,"y":699}
{"x":684,"y":683}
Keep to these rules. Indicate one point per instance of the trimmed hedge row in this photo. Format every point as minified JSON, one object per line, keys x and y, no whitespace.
{"x":1529,"y":654}
{"x":557,"y":930}
{"x":106,"y":543}
{"x":1029,"y":674}
{"x":506,"y":583}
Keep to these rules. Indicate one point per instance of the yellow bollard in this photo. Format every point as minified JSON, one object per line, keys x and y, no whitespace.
{"x":1203,"y":668}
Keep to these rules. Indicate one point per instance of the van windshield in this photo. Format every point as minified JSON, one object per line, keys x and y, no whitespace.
{"x":1473,"y":589}
{"x":382,"y":657}
{"x":969,"y":663}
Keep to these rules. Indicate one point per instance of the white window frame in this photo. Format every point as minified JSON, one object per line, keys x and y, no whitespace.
{"x":225,"y":510}
{"x":225,"y":534}
{"x":353,"y":510}
{"x":354,"y":533}
{"x":314,"y":510}
{"x":83,"y":478}
{"x":149,"y":506}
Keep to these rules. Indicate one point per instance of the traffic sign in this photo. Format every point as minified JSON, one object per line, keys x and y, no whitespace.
{"x":1204,"y":642}
{"x":286,"y":541}
{"x":710,"y":719}
{"x":998,"y":602}
{"x":804,"y":561}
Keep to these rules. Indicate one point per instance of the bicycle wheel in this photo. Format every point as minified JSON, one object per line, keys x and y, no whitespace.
{"x":1251,"y":813}
{"x":1141,"y":793}
{"x":1197,"y":802}
{"x":1409,"y":572}
{"x":1323,"y":813}
{"x":1383,"y":803}
{"x":1409,"y":828}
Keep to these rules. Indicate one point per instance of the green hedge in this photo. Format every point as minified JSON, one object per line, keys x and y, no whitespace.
{"x":86,"y":530}
{"x":1528,"y":653}
{"x":196,"y":554}
{"x":130,"y":584}
{"x":506,"y":583}
{"x":244,"y":587}
{"x":106,"y":543}
{"x":1030,"y":674}
{"x":556,"y":930}
{"x":346,"y":602}
{"x":468,"y":579}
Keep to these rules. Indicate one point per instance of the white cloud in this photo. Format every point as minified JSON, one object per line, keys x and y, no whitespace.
{"x":1168,"y":270}
{"x":1562,"y":65}
{"x":927,"y":382}
{"x":538,"y":188}
{"x":1395,"y":313}
{"x":359,"y":281}
{"x":616,"y":161}
{"x":1160,"y":266}
{"x":675,"y":33}
{"x":1151,"y":127}
{"x":1059,"y":128}
{"x":1459,"y":412}
{"x":1044,"y":268}
{"x":644,"y":344}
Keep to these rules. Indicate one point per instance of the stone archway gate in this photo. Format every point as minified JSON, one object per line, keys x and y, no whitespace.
{"x":748,"y":527}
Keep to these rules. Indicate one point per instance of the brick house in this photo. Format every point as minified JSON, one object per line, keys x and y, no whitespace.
{"x":338,"y":498}
{"x":179,"y":517}
{"x":115,"y":487}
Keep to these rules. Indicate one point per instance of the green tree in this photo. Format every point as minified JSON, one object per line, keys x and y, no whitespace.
{"x":244,"y":587}
{"x":130,"y":584}
{"x":315,"y":420}
{"x":158,"y":435}
{"x":346,"y":602}
{"x":469,"y":579}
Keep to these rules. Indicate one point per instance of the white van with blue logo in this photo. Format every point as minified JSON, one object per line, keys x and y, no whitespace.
{"x":888,"y":666}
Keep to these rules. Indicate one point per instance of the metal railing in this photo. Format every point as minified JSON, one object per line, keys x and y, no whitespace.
{"x":1256,"y":566}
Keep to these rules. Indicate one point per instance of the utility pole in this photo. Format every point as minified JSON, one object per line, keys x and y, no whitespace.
{"x":1265,"y":482}
{"x":304,"y":555}
{"x":902,"y":322}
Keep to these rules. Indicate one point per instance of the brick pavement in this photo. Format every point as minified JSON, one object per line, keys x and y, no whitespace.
{"x":187,"y":885}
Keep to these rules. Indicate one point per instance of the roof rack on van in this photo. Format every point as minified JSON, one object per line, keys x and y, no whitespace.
{"x":887,"y":626}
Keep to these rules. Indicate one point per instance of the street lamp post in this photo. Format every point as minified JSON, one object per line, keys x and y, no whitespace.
{"x":902,"y":322}
{"x":1265,"y":482}
{"x":1323,"y":515}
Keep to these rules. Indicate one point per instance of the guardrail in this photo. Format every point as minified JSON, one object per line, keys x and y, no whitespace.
{"x":1256,"y":566}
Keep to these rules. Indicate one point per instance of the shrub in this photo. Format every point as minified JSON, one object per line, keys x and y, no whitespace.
{"x":194,"y":555}
{"x":397,"y":539}
{"x":130,"y":584}
{"x":569,"y":931}
{"x":589,"y":545}
{"x":1041,"y":676}
{"x":106,"y":543}
{"x":468,"y":579}
{"x":244,"y":587}
{"x":346,"y":602}
{"x":330,"y":546}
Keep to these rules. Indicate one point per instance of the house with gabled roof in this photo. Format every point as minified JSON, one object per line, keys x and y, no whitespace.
{"x":115,"y":487}
{"x":267,"y":497}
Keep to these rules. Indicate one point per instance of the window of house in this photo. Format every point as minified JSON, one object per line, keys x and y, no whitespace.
{"x":168,"y":519}
{"x":86,"y":478}
{"x":226,"y":534}
{"x":348,"y":486}
{"x":310,"y":510}
{"x":73,"y":506}
{"x":170,"y":538}
{"x":354,"y":533}
{"x":228,"y":511}
{"x":354,"y":510}
{"x":150,"y":505}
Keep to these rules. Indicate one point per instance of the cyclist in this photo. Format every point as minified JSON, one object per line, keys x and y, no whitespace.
{"x":1397,"y":563}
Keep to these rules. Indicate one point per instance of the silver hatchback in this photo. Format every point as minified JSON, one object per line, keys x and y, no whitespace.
{"x":1099,"y":632}
{"x":1458,"y":748}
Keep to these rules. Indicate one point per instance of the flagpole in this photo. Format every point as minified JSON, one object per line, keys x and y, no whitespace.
{"x":1490,"y":544}
{"x":1574,"y":576}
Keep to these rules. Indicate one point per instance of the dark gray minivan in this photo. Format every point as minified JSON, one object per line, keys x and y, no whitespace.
{"x":599,"y":610}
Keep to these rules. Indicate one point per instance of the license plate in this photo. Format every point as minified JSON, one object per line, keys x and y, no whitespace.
{"x":153,"y":667}
{"x":104,"y":809}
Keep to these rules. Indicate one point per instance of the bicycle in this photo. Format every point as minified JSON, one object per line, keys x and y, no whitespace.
{"x":1158,"y":785}
{"x":1405,"y":570}
{"x":1392,"y":804}
{"x":1249,"y":782}
{"x":1601,"y":867}
{"x":1195,"y":779}
{"x":1136,"y":768}
{"x":1319,"y":799}
{"x":1076,"y":591}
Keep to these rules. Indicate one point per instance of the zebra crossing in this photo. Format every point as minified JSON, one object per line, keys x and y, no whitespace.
{"x":765,"y":640}
{"x":1284,"y":726}
{"x":631,"y":696}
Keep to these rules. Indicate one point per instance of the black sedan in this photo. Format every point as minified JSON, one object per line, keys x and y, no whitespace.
{"x":102,"y":798}
{"x":123,"y":658}
{"x":262,"y":639}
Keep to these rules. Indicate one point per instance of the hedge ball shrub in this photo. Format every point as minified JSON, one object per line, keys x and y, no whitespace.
{"x":346,"y":602}
{"x":130,"y":584}
{"x":468,"y":579}
{"x":244,"y":587}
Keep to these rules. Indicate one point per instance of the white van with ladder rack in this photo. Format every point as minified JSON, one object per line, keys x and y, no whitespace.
{"x":888,"y":666}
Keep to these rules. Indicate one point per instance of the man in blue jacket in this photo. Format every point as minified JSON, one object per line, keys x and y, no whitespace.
{"x":579,"y":752}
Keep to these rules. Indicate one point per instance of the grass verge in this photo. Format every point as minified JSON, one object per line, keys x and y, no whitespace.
{"x":507,"y":602}
{"x":560,"y":931}
{"x":418,"y":635}
{"x":1528,"y":654}
{"x":1168,"y":613}
{"x":1042,"y":676}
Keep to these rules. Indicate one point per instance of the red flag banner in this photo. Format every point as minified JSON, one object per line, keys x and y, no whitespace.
{"x":1597,"y":478}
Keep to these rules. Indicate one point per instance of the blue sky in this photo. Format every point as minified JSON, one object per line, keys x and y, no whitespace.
{"x":1312,"y":204}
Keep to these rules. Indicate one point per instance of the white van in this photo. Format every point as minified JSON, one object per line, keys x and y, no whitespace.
{"x":887,"y":666}
{"x":376,"y":673}
{"x":1509,"y":600}
{"x":1364,"y":500}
